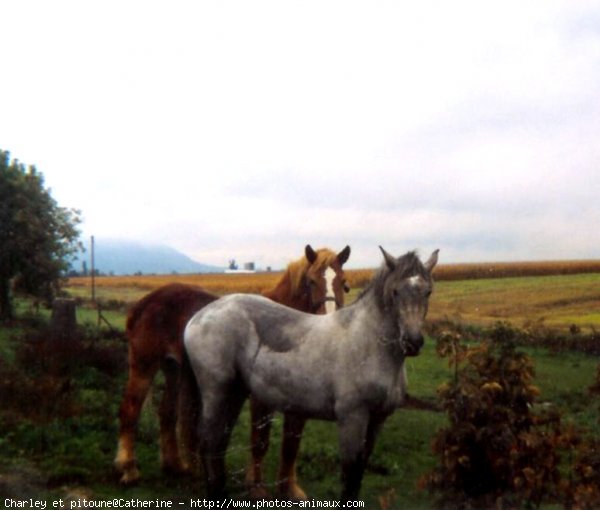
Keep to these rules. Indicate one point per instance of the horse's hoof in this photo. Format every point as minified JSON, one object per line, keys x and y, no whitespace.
{"x":128,"y":470}
{"x":249,"y":477}
{"x":130,"y":477}
{"x":257,"y":492}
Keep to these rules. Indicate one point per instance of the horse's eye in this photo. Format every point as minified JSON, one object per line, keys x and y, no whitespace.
{"x":346,"y":288}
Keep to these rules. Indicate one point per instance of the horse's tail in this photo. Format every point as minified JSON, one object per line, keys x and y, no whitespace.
{"x":189,"y":409}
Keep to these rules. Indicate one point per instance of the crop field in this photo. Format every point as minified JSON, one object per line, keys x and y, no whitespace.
{"x":554,"y":301}
{"x":555,"y":294}
{"x":64,"y":447}
{"x":221,"y":283}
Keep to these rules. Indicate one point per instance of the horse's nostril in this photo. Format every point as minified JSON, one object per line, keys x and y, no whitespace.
{"x":415,"y":343}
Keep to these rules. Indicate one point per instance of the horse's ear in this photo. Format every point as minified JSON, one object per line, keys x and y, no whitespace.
{"x":432,"y":261}
{"x":343,"y":256}
{"x":311,"y":255}
{"x":389,"y":259}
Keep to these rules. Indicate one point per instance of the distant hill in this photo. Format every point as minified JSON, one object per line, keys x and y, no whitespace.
{"x":126,"y":257}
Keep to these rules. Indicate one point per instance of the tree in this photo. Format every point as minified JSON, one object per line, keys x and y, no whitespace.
{"x":37,"y":236}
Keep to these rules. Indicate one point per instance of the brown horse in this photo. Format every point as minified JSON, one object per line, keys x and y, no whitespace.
{"x":154,"y":328}
{"x":155,"y":325}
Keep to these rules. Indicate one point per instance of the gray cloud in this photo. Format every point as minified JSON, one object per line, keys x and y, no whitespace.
{"x":470,"y":127}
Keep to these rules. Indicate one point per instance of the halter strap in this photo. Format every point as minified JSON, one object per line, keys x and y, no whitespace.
{"x":315,"y":306}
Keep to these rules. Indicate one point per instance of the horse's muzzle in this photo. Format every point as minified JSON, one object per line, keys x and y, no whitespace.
{"x":413,"y":345}
{"x":317,"y":306}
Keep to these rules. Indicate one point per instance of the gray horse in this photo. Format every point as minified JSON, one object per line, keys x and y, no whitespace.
{"x":347,"y":366}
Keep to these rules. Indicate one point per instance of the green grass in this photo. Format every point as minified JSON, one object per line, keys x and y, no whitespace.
{"x":116,"y":319}
{"x":124,"y":294}
{"x":564,"y":379}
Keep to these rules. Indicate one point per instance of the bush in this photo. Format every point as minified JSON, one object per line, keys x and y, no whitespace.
{"x":497,"y":450}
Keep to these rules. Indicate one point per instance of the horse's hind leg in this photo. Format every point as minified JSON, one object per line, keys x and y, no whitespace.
{"x":287,"y":479}
{"x":136,"y":390}
{"x":187,"y":418}
{"x":261,"y":418}
{"x":220,"y":410}
{"x":169,"y":450}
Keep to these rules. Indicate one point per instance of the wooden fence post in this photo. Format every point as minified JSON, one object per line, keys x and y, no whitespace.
{"x":63,"y":323}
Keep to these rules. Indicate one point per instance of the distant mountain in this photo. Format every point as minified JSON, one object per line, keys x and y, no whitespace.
{"x":126,"y":257}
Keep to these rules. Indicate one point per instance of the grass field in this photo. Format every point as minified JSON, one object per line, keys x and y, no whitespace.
{"x":72,"y":456}
{"x":555,"y":300}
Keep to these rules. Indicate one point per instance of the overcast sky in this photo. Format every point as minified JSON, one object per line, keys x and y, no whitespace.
{"x":248,"y":129}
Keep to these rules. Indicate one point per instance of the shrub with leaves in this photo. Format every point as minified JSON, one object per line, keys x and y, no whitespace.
{"x":495,"y":452}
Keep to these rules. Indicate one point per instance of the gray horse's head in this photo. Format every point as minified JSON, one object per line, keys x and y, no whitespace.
{"x":405,"y":287}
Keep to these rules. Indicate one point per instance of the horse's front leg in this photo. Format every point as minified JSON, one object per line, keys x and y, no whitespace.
{"x":353,"y":429}
{"x":261,"y":417}
{"x":375,"y":424}
{"x":287,"y":479}
{"x":221,"y":405}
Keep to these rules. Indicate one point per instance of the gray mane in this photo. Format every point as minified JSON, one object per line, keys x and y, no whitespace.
{"x":407,"y":265}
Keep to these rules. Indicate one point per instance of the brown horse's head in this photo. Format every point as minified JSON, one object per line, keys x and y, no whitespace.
{"x":320,"y":277}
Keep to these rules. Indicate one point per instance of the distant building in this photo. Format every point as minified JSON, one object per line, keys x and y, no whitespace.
{"x":248,"y":267}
